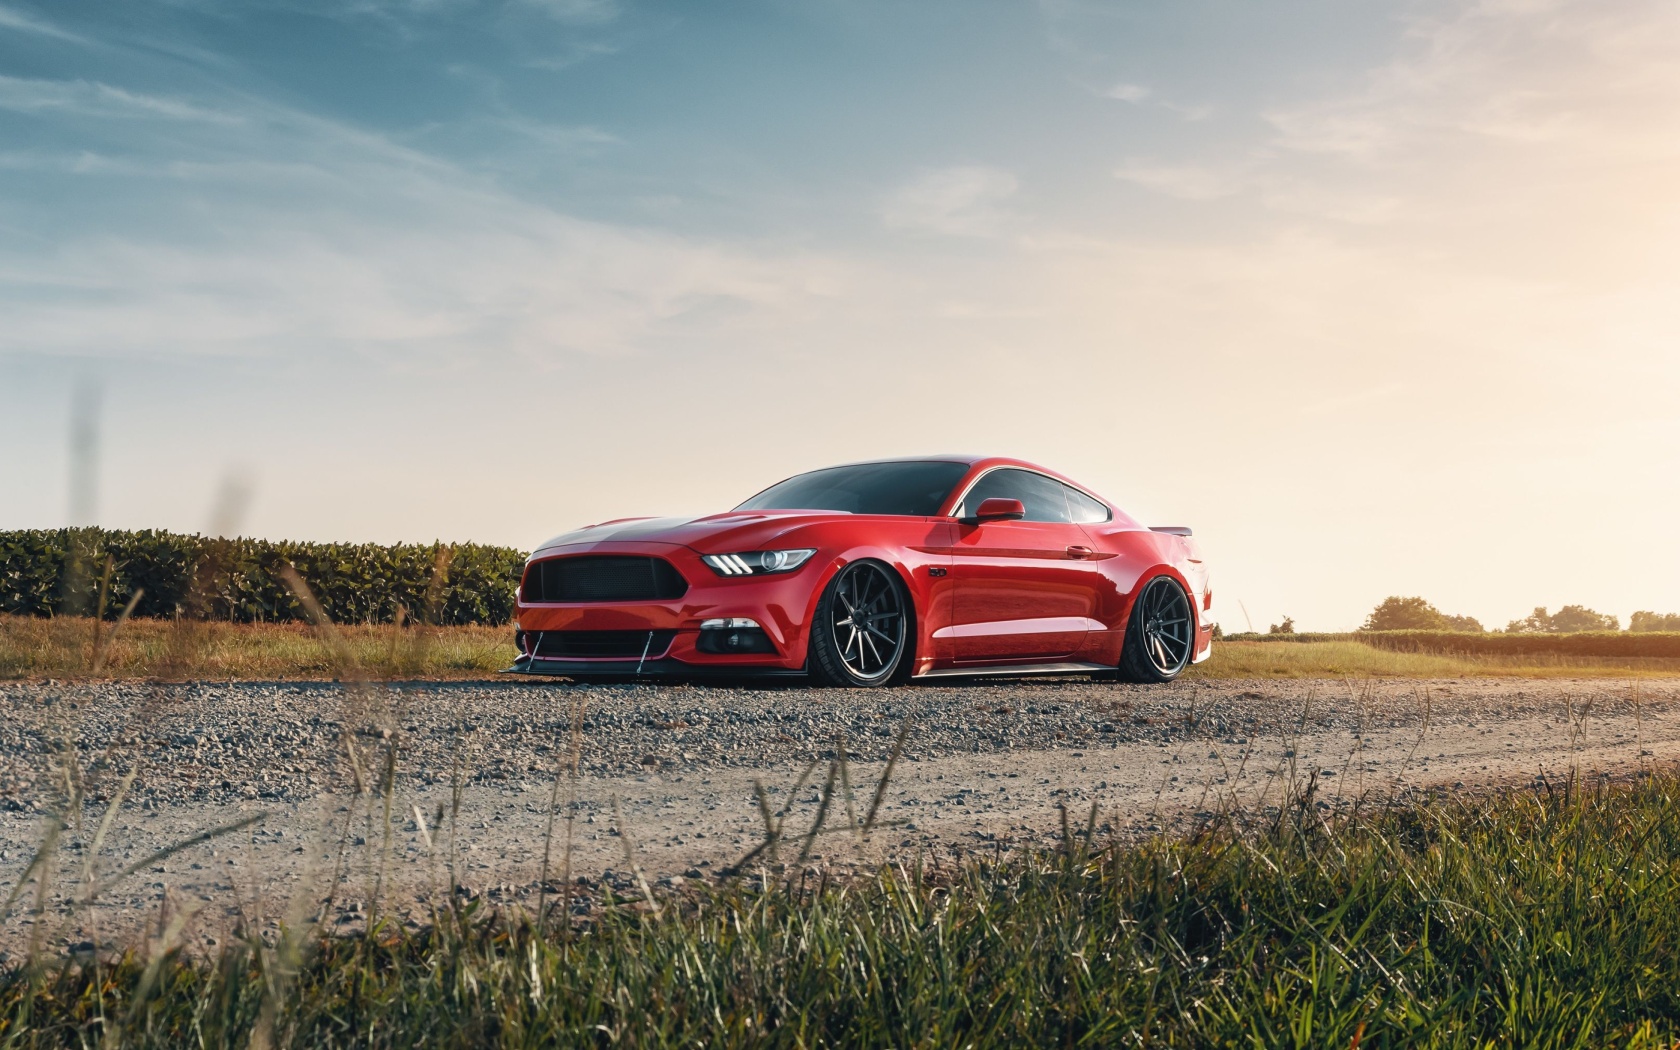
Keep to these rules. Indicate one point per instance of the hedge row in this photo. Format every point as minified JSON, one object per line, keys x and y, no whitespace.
{"x":1583,"y":643}
{"x":1502,"y":643}
{"x":46,"y":572}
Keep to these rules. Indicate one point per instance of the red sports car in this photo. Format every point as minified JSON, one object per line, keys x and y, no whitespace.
{"x":872,"y":574}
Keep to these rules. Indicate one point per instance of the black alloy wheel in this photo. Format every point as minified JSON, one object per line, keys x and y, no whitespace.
{"x":1161,"y":635}
{"x":862,"y":629}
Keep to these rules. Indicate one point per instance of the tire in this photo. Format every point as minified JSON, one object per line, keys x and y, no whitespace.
{"x":855,"y":655}
{"x":1161,"y":635}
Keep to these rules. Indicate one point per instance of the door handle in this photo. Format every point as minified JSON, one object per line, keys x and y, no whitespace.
{"x":1080,"y":552}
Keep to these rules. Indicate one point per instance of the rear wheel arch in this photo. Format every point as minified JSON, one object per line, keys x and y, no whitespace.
{"x":1153,"y":647}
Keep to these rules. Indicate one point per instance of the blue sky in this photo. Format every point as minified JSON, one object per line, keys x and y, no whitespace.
{"x":1378,"y":296}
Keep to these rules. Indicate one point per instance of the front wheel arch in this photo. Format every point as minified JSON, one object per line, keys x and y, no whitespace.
{"x":824,"y":663}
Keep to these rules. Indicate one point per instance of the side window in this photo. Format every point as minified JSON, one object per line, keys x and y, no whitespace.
{"x":1041,"y":497}
{"x":1083,"y":509}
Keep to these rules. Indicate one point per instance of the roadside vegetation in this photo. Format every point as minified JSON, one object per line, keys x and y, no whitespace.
{"x":1396,"y":613}
{"x":1542,"y":917}
{"x":79,"y":647}
{"x":1355,"y":656}
{"x":167,"y":575}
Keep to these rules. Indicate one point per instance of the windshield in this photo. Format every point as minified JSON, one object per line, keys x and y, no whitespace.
{"x":911,"y":488}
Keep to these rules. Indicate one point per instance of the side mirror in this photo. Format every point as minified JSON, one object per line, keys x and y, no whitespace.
{"x":997,"y":508}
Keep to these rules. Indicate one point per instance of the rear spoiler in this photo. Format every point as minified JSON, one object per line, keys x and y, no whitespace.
{"x":1172,"y":530}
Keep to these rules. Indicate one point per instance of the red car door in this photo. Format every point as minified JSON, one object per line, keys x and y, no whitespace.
{"x":1024,"y":590}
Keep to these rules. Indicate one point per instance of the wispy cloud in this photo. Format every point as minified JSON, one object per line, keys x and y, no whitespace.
{"x":1535,"y":72}
{"x":959,"y":201}
{"x":88,"y":99}
{"x":577,"y":12}
{"x":12,"y":19}
{"x":1133,"y":93}
{"x":350,"y":241}
{"x":561,"y":138}
{"x":1189,"y":111}
{"x":1143,"y":95}
{"x":1192,"y":182}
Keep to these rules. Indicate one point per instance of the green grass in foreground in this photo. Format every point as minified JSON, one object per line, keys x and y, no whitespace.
{"x":1537,"y":918}
{"x":34,"y":647}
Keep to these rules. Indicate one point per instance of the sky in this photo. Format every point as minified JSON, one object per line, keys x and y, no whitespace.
{"x":1379,"y":297}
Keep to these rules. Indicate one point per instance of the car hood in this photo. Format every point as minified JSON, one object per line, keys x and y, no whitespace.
{"x":726,"y":533}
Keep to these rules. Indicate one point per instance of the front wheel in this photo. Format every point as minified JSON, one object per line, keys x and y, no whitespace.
{"x":861,"y":634}
{"x":1160,"y":636}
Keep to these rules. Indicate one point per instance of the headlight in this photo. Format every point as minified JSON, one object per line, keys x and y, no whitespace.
{"x":757,"y":563}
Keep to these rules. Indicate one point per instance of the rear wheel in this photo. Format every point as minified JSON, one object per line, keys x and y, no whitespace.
{"x":861,"y":634}
{"x":1160,"y":635}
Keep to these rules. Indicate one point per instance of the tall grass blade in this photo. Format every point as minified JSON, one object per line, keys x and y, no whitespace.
{"x":886,"y":777}
{"x":629,"y":843}
{"x":159,"y":856}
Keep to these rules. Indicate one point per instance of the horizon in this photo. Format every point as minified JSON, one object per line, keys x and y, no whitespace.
{"x":1380,"y":300}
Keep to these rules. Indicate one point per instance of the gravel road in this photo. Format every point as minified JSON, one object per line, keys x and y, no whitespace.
{"x":667,"y":773}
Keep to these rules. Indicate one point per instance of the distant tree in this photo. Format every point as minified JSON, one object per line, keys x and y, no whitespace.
{"x":1581,"y":618}
{"x":1537,"y":622}
{"x":1650,"y":621}
{"x":1286,"y":627}
{"x":1415,"y":614}
{"x":1405,"y":614}
{"x":1218,"y":632}
{"x":1569,"y":619}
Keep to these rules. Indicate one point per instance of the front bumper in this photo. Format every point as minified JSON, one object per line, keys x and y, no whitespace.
{"x":661,"y":668}
{"x":781,"y":604}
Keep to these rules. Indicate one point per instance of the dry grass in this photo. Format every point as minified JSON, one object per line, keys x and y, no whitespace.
{"x":1356,"y":659}
{"x":32,"y":647}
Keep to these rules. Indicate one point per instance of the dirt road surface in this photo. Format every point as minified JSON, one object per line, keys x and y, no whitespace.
{"x":666,"y":789}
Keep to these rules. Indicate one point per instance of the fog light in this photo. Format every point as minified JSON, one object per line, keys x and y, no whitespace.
{"x":727,"y":622}
{"x":733,"y":634}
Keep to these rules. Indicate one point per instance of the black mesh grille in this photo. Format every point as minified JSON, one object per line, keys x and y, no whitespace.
{"x":574,"y":645}
{"x":602,"y":578}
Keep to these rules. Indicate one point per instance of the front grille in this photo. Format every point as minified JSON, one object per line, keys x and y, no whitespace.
{"x":603,"y":645}
{"x":602,"y":578}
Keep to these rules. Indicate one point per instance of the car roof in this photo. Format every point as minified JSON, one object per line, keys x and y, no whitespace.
{"x":977,"y":463}
{"x":968,"y":459}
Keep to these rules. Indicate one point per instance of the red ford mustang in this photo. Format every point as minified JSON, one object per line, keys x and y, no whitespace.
{"x":872,"y":574}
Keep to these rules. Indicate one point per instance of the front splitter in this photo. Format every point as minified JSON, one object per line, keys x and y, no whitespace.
{"x":630,"y":669}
